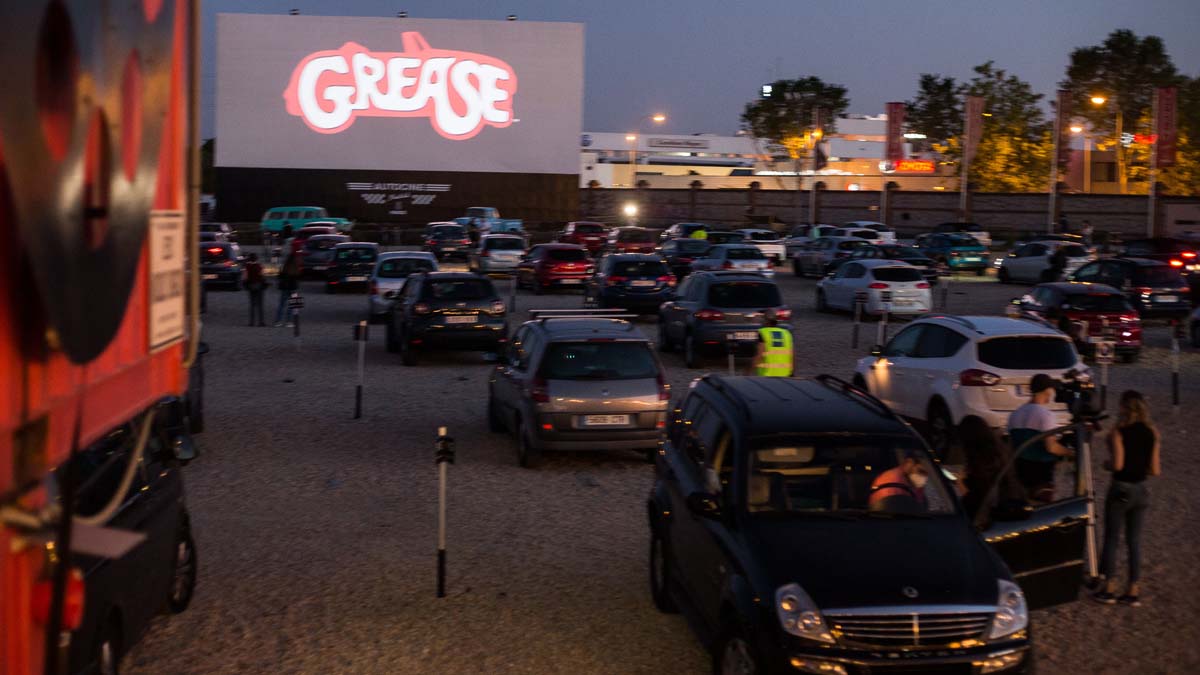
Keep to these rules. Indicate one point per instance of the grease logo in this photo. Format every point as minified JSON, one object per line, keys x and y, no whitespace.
{"x":459,"y":92}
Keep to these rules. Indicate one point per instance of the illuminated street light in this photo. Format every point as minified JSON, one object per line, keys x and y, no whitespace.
{"x":659,"y":118}
{"x":1076,"y":129}
{"x":1099,"y":100}
{"x":630,"y":210}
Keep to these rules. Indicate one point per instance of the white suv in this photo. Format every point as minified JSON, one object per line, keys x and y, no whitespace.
{"x":941,"y":369}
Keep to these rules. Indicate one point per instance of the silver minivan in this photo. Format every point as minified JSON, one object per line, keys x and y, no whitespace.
{"x":497,"y":253}
{"x":578,"y":383}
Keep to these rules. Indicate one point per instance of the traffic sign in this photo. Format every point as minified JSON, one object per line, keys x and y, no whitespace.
{"x":1105,"y":350}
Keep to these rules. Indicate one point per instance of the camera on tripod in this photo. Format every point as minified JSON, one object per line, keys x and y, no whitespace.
{"x":1078,"y":391}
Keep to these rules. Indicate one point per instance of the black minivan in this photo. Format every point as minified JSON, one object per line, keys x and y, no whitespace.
{"x":805,"y":528}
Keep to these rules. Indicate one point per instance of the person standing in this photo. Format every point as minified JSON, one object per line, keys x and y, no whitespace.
{"x":1035,"y":463}
{"x":256,"y":284}
{"x":1087,"y":233}
{"x":1135,"y":446}
{"x":773,"y":357}
{"x":289,"y":282}
{"x":699,"y":233}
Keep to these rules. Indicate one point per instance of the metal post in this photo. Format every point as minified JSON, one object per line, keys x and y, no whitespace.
{"x":858,"y":306}
{"x":1153,"y":191}
{"x":360,"y":334}
{"x":946,"y":294}
{"x":881,"y":334}
{"x":731,"y":347}
{"x":443,"y":456}
{"x":1175,"y":329}
{"x":1084,"y":457}
{"x":1104,"y":335}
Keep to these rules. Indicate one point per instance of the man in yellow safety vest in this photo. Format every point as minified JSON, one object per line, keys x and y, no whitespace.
{"x":774,"y":355}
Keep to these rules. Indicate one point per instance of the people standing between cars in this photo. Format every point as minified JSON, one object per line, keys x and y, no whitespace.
{"x":900,"y":487}
{"x":289,"y":282}
{"x":773,"y":357}
{"x":1036,"y":460}
{"x":1135,"y":446}
{"x":1058,"y":264}
{"x":255,"y":283}
{"x":1063,"y":226}
{"x":699,"y":233}
{"x":1087,"y":233}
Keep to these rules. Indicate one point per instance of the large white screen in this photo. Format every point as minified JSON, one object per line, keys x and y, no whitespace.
{"x":316,"y":92}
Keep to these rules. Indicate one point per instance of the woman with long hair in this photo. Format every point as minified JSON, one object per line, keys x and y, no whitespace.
{"x":1134,"y":443}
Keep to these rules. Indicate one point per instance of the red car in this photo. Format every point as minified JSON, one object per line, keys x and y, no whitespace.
{"x":1100,"y":307}
{"x":631,"y":240}
{"x":554,"y":266}
{"x":584,"y":233}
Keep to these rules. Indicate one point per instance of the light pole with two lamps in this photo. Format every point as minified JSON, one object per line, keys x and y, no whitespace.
{"x":657,"y":118}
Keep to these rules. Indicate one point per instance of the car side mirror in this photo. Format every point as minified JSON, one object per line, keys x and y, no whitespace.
{"x":704,"y":504}
{"x":877,"y":351}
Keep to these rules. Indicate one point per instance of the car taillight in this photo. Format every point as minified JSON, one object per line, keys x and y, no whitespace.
{"x":685,"y":260}
{"x":484,"y":254}
{"x":613,"y":281}
{"x":231,"y":263}
{"x":879,"y":285}
{"x":464,"y":241}
{"x":421,"y":308}
{"x":922,"y":284}
{"x":497,"y":307}
{"x":216,"y":249}
{"x":1129,"y":317}
{"x":1188,"y":254}
{"x":431,"y":242}
{"x":1176,"y":263}
{"x":538,"y":391}
{"x":783,"y":314}
{"x":666,"y":279}
{"x":709,"y":315}
{"x":590,"y":269}
{"x":975,"y":377}
{"x":727,"y":266}
{"x":664,"y":389}
{"x":1144,"y":290}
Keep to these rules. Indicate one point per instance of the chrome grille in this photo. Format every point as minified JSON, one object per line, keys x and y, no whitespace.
{"x":909,"y":630}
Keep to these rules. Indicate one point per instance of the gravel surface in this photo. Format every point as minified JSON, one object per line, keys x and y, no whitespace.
{"x":316,"y":532}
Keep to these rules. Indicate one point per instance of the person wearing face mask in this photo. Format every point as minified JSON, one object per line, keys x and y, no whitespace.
{"x":903,"y":484}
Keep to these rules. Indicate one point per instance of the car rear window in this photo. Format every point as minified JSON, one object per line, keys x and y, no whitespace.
{"x":1158,"y":276}
{"x":1099,"y":302}
{"x":504,"y":244}
{"x":640,"y":268}
{"x":634,"y":235}
{"x":692,"y":245}
{"x":214,"y":254}
{"x":897,"y":274}
{"x":1074,"y":251}
{"x":566,"y":254}
{"x":398,"y":268}
{"x":764,"y":236}
{"x":746,"y":253}
{"x":961,"y":240}
{"x":848,"y":245}
{"x":744,"y":294}
{"x":354,"y":254}
{"x":1028,"y":353}
{"x":598,"y":361}
{"x":724,"y":237}
{"x":321,"y":244}
{"x":863,"y":234}
{"x":589,"y":228}
{"x":902,"y":252}
{"x":449,"y":233}
{"x":459,"y":289}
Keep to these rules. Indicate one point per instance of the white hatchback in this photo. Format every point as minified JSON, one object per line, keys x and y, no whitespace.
{"x":767,"y":241}
{"x":897,"y":287}
{"x":1027,"y":263}
{"x":886,"y":233}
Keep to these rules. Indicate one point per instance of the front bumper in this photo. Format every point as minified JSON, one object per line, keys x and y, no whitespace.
{"x":1007,"y":658}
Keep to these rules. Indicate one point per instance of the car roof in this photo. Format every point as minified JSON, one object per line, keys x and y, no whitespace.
{"x":416,"y":255}
{"x":450,"y":275}
{"x":556,"y":245}
{"x":845,"y":238}
{"x":588,"y":327}
{"x":276,"y":208}
{"x":445,"y":223}
{"x":502,"y":235}
{"x":320,"y":223}
{"x":754,"y":229}
{"x":991,"y":326}
{"x":319,"y":237}
{"x":1079,"y":288}
{"x":785,"y":405}
{"x":863,"y":223}
{"x":728,"y":246}
{"x":731,"y":275}
{"x":357,"y":244}
{"x":880,"y":262}
{"x":648,"y":257}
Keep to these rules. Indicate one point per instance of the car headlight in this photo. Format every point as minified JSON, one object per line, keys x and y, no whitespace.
{"x":799,"y":615}
{"x":1012,"y":614}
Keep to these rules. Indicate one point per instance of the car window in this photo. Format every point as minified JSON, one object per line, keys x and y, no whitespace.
{"x":1028,"y":353}
{"x":743,"y":294}
{"x":503,"y":244}
{"x":595,"y":360}
{"x":518,"y":357}
{"x":1136,"y":248}
{"x":960,"y":240}
{"x":355,"y":254}
{"x":1042,"y":296}
{"x":850,"y":245}
{"x":1158,"y":275}
{"x":746,"y":253}
{"x":1035,"y":250}
{"x":1099,"y":302}
{"x":448,"y":232}
{"x":855,"y":271}
{"x":398,"y":268}
{"x":640,"y":236}
{"x":695,"y":410}
{"x":898,"y":274}
{"x":293,"y":215}
{"x":1112,"y":274}
{"x":939,"y":342}
{"x":459,"y":289}
{"x":905,"y":342}
{"x":566,"y":254}
{"x":589,"y":228}
{"x":639,"y":268}
{"x":213,"y":254}
{"x":99,"y":469}
{"x":322,"y":244}
{"x":764,"y":236}
{"x":1074,"y":251}
{"x":685,"y":287}
{"x":1088,"y":272}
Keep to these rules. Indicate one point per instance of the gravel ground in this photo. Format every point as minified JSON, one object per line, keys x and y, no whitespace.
{"x":316,"y":532}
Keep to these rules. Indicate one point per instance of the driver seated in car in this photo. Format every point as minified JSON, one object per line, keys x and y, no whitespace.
{"x":902,"y":485}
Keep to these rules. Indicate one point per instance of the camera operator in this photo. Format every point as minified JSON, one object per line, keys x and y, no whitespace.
{"x":1035,"y":464}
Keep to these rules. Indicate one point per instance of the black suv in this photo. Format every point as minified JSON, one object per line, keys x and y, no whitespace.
{"x":786,"y":519}
{"x":455,"y":310}
{"x":1155,"y":288}
{"x":712,"y":308}
{"x":352,"y":265}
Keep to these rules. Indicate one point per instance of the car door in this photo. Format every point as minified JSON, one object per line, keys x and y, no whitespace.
{"x":1033,"y":261}
{"x":677,"y":311}
{"x":525,"y":268}
{"x":511,"y":376}
{"x":932,"y":368}
{"x":886,"y":378}
{"x":846,"y":280}
{"x":1089,"y":273}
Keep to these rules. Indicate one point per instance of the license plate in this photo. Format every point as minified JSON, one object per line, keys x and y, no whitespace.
{"x":351,"y":280}
{"x":209,"y":277}
{"x":745,"y":335}
{"x":1166,"y":298}
{"x":605,"y":420}
{"x":449,"y":248}
{"x":971,"y":259}
{"x":904,"y":303}
{"x":570,"y":281}
{"x":643,"y":283}
{"x":464,"y":318}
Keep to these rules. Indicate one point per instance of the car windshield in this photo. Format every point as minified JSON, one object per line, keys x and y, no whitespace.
{"x":635,"y":236}
{"x":764,"y":236}
{"x":453,"y":232}
{"x":853,"y":477}
{"x":1028,"y":352}
{"x":897,"y":274}
{"x":1074,"y":251}
{"x":961,"y":240}
{"x":1158,"y":275}
{"x":692,"y":245}
{"x":398,"y":268}
{"x":306,"y":232}
{"x":504,"y":244}
{"x":566,"y":254}
{"x":459,"y":289}
{"x":639,"y":268}
{"x":599,"y":360}
{"x":1099,"y":302}
{"x":356,"y":254}
{"x":744,"y":253}
{"x":589,"y":228}
{"x":744,"y":294}
{"x":480,"y":212}
{"x":214,"y":254}
{"x":878,"y":227}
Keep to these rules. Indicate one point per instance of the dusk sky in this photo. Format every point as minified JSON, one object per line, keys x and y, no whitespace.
{"x":700,"y":61}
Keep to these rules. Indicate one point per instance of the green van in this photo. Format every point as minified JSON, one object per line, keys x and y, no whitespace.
{"x":275,"y":218}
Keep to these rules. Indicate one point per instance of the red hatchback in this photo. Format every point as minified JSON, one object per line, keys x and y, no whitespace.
{"x":554,"y":266}
{"x":631,"y":240}
{"x":584,"y":233}
{"x":1102,"y":308}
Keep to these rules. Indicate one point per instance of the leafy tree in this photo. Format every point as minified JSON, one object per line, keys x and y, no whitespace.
{"x":1014,"y":150}
{"x":936,"y":111}
{"x":1184,"y":177}
{"x":784,"y":116}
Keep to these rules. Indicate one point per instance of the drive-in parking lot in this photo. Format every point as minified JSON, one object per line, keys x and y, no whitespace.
{"x":316,"y":531}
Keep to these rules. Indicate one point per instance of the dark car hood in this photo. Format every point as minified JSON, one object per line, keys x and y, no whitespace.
{"x":865,"y":563}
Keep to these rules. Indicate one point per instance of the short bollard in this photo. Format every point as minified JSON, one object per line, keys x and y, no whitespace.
{"x":859,"y":300}
{"x":886,"y":308}
{"x":295,"y":304}
{"x":444,"y":454}
{"x":1176,"y":333}
{"x":512,"y":293}
{"x":945,"y":281}
{"x":360,"y":335}
{"x":731,"y":348}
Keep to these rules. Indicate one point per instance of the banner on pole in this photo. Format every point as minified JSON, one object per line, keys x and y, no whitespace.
{"x":1165,"y":130}
{"x":895,"y":131}
{"x":972,"y":127}
{"x":1062,"y":127}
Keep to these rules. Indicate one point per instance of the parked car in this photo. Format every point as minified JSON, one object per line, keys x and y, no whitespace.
{"x":1194,"y":328}
{"x":1031,"y":262}
{"x":907,"y":254}
{"x":712,"y":308}
{"x":740,"y":257}
{"x":1102,"y":308}
{"x":715,"y":237}
{"x":955,"y":252}
{"x":1155,"y":289}
{"x":1178,"y":253}
{"x":767,"y":241}
{"x":974,"y":229}
{"x":813,"y":258}
{"x":447,"y":240}
{"x":1029,"y":237}
{"x":353,"y":263}
{"x":158,"y":575}
{"x":630,"y":240}
{"x":446,"y":310}
{"x":867,"y":233}
{"x":578,"y":384}
{"x":318,"y":253}
{"x":297,"y":217}
{"x":222,"y":231}
{"x":682,"y":230}
{"x":591,"y":236}
{"x":301,"y":236}
{"x":681,"y":253}
{"x":897,"y":287}
{"x":548,"y":266}
{"x":766,"y":527}
{"x":942,"y":369}
{"x":220,"y":265}
{"x":803,"y":235}
{"x":885,"y":232}
{"x":391,"y":270}
{"x":497,"y":253}
{"x":635,"y":282}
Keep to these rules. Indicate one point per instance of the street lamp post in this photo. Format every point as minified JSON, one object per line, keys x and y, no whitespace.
{"x":1087,"y":156}
{"x":657,"y":118}
{"x":1120,"y":131}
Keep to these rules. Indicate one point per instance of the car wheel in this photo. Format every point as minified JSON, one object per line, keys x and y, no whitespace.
{"x":495,"y":424}
{"x":664,"y":342}
{"x":660,"y":572}
{"x":691,"y":359}
{"x":408,"y":353}
{"x":1002,"y":276}
{"x":796,"y":268}
{"x":528,"y":457}
{"x":822,"y":306}
{"x":940,"y":429}
{"x":734,"y":654}
{"x":183,"y":579}
{"x":108,"y":648}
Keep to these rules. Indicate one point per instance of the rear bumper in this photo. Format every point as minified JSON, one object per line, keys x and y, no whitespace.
{"x":595,"y":439}
{"x":613,"y":297}
{"x":224,"y":277}
{"x":480,"y":336}
{"x":562,"y":280}
{"x":1174,"y":310}
{"x":492,"y":265}
{"x":714,"y":337}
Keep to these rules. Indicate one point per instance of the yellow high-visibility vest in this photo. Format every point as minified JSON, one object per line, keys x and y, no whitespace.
{"x":776,"y":358}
